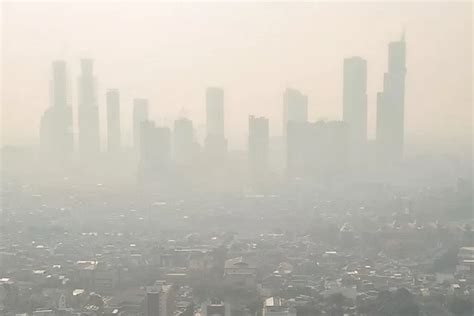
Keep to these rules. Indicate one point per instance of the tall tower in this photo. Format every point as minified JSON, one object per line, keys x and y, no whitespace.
{"x":355,"y":99}
{"x":184,"y":144}
{"x":140,"y":114}
{"x":295,"y":107}
{"x":215,"y":111}
{"x":155,"y":150}
{"x":56,"y":135}
{"x":113,"y":120}
{"x":215,"y":143}
{"x":258,"y":143}
{"x":391,"y":105}
{"x":88,"y":112}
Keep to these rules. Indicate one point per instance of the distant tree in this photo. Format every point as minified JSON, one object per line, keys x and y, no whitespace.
{"x":336,"y":299}
{"x":309,"y":309}
{"x":255,"y":306}
{"x":447,"y":261}
{"x":460,"y":306}
{"x":189,"y":311}
{"x":405,"y":303}
{"x":400,"y":303}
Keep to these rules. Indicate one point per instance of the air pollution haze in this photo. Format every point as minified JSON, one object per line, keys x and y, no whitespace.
{"x":170,"y":52}
{"x":236,"y":158}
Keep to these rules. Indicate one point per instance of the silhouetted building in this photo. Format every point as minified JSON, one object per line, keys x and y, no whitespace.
{"x":276,"y":306}
{"x":329,"y":148}
{"x":88,"y":113}
{"x":391,"y":106}
{"x":215,"y":111}
{"x":296,"y":151}
{"x":355,"y":101}
{"x":295,"y":107}
{"x":215,"y":308}
{"x":160,"y":300}
{"x":155,"y":148}
{"x":317,"y":149}
{"x":215,"y":142}
{"x":56,"y":135}
{"x":258,"y":143}
{"x":184,"y":144}
{"x":140,"y":114}
{"x":113,"y":120}
{"x":239,"y":273}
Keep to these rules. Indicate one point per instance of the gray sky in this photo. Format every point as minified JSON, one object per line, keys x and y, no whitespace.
{"x":170,"y":52}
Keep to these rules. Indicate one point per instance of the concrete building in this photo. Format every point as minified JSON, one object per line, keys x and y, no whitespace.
{"x":113,"y":120}
{"x":275,"y":306}
{"x":355,"y":103}
{"x":215,"y":308}
{"x":56,"y":133}
{"x":140,"y":114}
{"x":295,"y":108}
{"x":155,"y":152}
{"x":316,"y":149}
{"x":391,"y":106}
{"x":215,"y":143}
{"x":88,"y":113}
{"x":160,"y":299}
{"x":239,"y":273}
{"x":258,"y":145}
{"x":184,"y":143}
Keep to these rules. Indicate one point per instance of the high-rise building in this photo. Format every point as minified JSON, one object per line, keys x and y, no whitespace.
{"x":160,"y":300}
{"x":113,"y":120}
{"x":184,"y":144}
{"x":316,"y":149}
{"x":391,"y":106}
{"x":297,"y":140}
{"x":355,"y":99}
{"x":59,"y":84}
{"x":215,"y":111}
{"x":140,"y":114}
{"x":215,"y":142}
{"x":259,"y":139}
{"x":155,"y":147}
{"x":88,"y":112}
{"x":56,"y":135}
{"x":295,"y":107}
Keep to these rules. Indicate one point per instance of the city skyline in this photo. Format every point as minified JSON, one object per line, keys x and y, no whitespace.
{"x":321,"y":149}
{"x":237,"y":158}
{"x":324,"y":101}
{"x":306,"y":143}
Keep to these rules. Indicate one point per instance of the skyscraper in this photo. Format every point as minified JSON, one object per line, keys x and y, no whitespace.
{"x":88,"y":112}
{"x":113,"y":120}
{"x":355,"y":99}
{"x":391,"y":106}
{"x":297,"y":142}
{"x":56,"y":135}
{"x":258,"y":143}
{"x":215,"y":142}
{"x":155,"y":147}
{"x":215,"y":111}
{"x":184,"y":145}
{"x":317,"y":148}
{"x":140,"y":114}
{"x":295,"y":107}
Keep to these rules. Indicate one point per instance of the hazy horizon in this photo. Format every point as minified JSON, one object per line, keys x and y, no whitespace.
{"x":265,"y":158}
{"x":170,"y":52}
